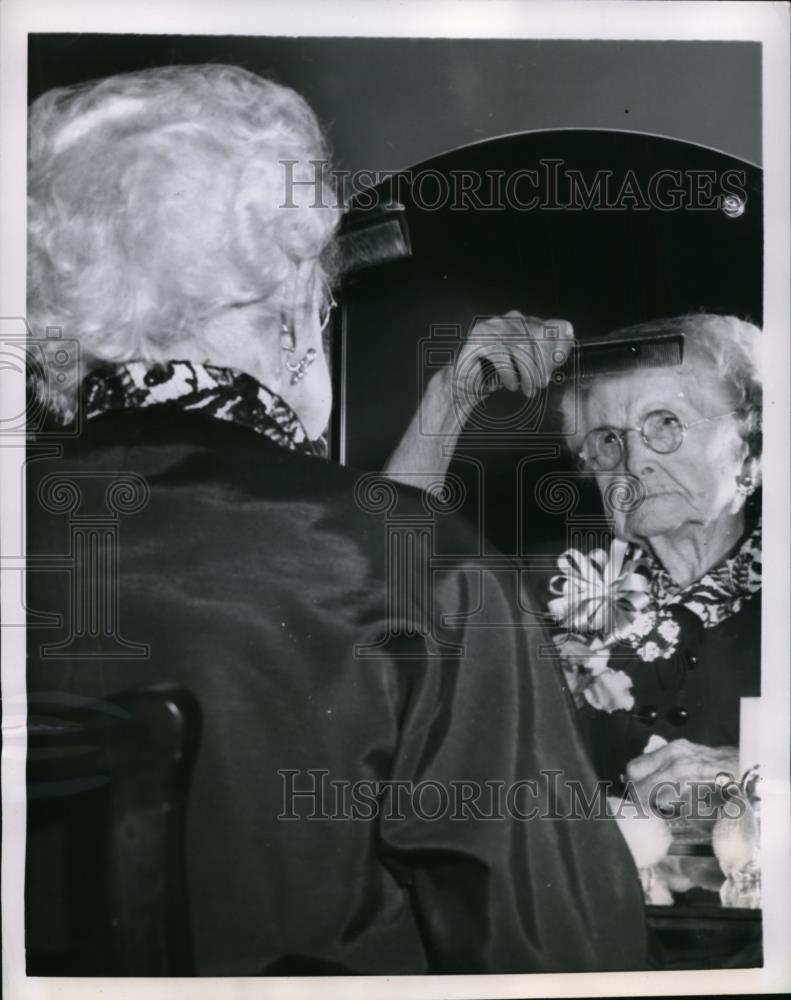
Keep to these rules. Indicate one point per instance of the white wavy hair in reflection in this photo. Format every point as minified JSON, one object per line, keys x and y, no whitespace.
{"x":725,"y":347}
{"x":157,"y":197}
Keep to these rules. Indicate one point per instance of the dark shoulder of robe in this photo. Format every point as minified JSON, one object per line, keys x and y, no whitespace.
{"x":254,"y":575}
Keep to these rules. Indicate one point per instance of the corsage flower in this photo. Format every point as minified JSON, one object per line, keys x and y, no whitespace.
{"x":600,"y":594}
{"x":601,"y":599}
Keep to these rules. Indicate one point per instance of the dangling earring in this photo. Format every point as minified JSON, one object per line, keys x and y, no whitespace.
{"x":297,"y":368}
{"x":745,"y":486}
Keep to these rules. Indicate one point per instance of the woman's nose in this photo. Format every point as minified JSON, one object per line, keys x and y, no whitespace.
{"x":637,"y":456}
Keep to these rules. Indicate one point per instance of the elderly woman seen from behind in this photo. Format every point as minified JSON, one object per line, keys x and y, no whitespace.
{"x":683,"y":644}
{"x":227,"y":556}
{"x":156,"y":233}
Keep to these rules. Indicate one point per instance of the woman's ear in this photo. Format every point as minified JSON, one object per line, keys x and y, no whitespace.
{"x":751,"y":430}
{"x":747,"y":482}
{"x":753,"y":440}
{"x":748,"y":479}
{"x":751,"y":470}
{"x":304,"y":303}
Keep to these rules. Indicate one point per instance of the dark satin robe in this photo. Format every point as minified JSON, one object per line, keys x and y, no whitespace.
{"x":253,"y":574}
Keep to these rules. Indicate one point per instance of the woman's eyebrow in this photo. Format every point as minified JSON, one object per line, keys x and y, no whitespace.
{"x":681,"y":405}
{"x":675,"y":404}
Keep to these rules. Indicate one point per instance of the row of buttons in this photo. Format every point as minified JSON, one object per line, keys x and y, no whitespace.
{"x":676,"y":716}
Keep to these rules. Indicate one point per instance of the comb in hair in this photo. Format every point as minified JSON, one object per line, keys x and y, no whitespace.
{"x":370,"y":238}
{"x":616,"y":354}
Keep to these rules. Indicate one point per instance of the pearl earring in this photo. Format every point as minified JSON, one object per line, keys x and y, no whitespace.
{"x":289,"y":344}
{"x":746,"y":486}
{"x":298,"y":370}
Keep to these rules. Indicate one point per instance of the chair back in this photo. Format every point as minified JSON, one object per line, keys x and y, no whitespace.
{"x":107,"y":784}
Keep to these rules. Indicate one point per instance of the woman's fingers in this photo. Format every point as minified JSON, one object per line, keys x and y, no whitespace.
{"x":521,"y":351}
{"x":493,"y":348}
{"x":681,"y":760}
{"x":495,"y":342}
{"x":661,"y":761}
{"x":482,"y":367}
{"x":668,"y":774}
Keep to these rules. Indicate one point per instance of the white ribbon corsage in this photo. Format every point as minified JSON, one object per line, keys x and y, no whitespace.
{"x":601,"y":599}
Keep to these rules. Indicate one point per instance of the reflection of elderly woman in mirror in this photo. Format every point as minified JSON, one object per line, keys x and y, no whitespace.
{"x":688,"y":437}
{"x":256,"y":573}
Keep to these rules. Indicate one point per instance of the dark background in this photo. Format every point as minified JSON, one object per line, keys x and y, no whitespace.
{"x":388,"y":103}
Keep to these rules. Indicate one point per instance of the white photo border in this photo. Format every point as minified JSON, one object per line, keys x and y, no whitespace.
{"x":764,"y":22}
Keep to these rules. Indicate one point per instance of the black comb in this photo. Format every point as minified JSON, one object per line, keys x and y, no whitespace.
{"x":616,"y":354}
{"x":374,"y":237}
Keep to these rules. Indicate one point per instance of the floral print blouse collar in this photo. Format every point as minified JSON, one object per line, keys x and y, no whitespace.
{"x":222,"y":393}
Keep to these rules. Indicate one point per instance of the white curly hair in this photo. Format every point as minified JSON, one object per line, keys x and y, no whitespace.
{"x":158,"y":197}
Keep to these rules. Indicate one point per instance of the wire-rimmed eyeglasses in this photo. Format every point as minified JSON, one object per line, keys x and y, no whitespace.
{"x":660,"y":430}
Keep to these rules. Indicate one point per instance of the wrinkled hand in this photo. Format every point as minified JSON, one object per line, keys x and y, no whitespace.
{"x":668,"y":776}
{"x":512,"y":352}
{"x":680,"y":874}
{"x":522,"y":353}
